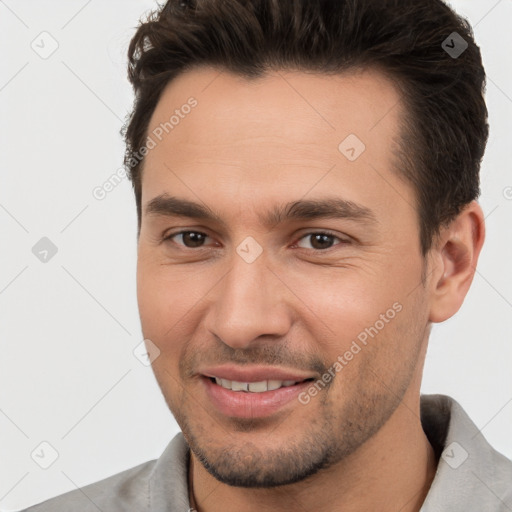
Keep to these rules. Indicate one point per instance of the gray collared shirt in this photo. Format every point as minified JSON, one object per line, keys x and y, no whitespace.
{"x":471,"y":476}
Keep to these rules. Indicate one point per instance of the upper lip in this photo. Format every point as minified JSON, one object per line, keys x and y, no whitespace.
{"x":253,"y":373}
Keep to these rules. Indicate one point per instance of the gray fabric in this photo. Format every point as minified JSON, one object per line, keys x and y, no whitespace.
{"x":482,"y":483}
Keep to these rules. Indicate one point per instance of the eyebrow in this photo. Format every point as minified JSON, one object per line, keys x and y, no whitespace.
{"x":310,"y":209}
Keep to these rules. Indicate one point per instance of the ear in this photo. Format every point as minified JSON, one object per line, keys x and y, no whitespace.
{"x":455,"y":257}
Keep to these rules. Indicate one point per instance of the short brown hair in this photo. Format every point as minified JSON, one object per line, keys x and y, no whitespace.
{"x":444,"y":131}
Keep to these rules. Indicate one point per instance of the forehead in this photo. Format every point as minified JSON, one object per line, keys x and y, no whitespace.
{"x":295,"y":105}
{"x":284,"y":131}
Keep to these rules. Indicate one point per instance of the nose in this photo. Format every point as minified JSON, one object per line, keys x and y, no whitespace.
{"x":249,"y":304}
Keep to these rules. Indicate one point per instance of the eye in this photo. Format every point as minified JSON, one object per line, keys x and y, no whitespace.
{"x":320,"y":240}
{"x":189,"y":239}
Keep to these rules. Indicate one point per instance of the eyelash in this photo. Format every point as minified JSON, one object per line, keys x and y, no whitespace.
{"x":310,"y":233}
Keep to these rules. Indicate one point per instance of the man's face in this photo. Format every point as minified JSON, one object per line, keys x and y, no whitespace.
{"x":303,"y":296}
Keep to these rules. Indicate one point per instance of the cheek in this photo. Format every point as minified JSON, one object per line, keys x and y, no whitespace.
{"x":149,"y":298}
{"x":164,"y":295}
{"x":355,"y":320}
{"x":374,"y":362}
{"x":169,"y":301}
{"x":343,"y":301}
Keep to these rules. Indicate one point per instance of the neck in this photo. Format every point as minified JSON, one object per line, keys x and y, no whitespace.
{"x":392,"y":471}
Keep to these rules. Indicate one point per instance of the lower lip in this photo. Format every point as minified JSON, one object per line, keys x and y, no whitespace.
{"x":244,"y":404}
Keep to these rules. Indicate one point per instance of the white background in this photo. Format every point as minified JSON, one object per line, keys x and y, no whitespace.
{"x":68,"y":327}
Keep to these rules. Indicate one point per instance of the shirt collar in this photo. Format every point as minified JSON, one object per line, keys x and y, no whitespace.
{"x":471,"y":475}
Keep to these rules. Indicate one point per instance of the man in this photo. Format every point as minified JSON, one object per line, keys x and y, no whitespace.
{"x":306,"y":176}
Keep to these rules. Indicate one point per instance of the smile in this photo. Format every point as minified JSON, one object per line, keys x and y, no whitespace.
{"x":254,"y":387}
{"x":256,"y":399}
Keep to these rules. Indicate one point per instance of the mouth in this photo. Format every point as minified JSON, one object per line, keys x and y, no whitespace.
{"x":256,"y":387}
{"x":252,"y":397}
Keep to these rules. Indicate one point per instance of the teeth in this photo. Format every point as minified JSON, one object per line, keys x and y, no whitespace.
{"x":254,"y":387}
{"x":239,"y":386}
{"x":274,"y":384}
{"x":258,"y":387}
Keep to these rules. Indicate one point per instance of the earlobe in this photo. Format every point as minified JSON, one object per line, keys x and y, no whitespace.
{"x":458,"y":251}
